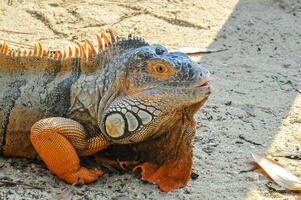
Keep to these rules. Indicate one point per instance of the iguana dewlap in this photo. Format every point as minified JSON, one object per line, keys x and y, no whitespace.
{"x":124,"y":94}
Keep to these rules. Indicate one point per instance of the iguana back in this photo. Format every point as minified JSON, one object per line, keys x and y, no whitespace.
{"x":32,"y":88}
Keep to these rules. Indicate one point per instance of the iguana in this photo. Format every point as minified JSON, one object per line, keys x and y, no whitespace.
{"x":125,"y":95}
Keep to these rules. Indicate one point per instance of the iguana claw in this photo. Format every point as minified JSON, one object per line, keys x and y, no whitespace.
{"x":123,"y":165}
{"x":82,"y":176}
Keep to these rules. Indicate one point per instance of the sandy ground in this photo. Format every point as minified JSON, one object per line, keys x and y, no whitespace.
{"x":250,"y":110}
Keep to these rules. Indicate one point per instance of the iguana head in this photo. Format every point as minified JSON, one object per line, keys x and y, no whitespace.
{"x":154,"y":90}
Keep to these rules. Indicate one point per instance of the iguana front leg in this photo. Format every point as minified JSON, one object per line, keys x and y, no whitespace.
{"x":59,"y":141}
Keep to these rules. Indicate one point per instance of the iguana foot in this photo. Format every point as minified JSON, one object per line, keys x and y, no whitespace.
{"x":123,"y":165}
{"x":56,"y":140}
{"x":169,"y":176}
{"x":82,"y":175}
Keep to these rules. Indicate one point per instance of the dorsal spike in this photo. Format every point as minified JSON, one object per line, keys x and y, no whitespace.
{"x":56,"y":54}
{"x":80,"y":49}
{"x":89,"y":52}
{"x":10,"y":52}
{"x":91,"y":49}
{"x":79,"y":46}
{"x":77,"y":52}
{"x":86,"y":50}
{"x":3,"y":47}
{"x":30,"y":52}
{"x":50,"y":54}
{"x":106,"y":40}
{"x":69,"y":52}
{"x":60,"y":54}
{"x":40,"y":50}
{"x":44,"y":53}
{"x":19,"y":53}
{"x":64,"y":54}
{"x":24,"y":53}
{"x":85,"y":45}
{"x":83,"y":53}
{"x":13,"y":53}
{"x":35,"y":50}
{"x":100,"y":43}
{"x":112,"y":35}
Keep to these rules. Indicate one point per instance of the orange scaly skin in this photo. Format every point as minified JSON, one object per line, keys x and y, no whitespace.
{"x":50,"y":137}
{"x":125,"y":98}
{"x":176,"y":170}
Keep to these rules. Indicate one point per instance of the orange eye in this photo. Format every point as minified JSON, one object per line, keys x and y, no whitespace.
{"x":160,"y":70}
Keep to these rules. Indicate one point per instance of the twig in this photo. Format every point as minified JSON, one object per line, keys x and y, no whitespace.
{"x":17,"y":43}
{"x":12,"y":184}
{"x":249,"y":141}
{"x":238,"y":92}
{"x":276,"y":188}
{"x":206,"y":52}
{"x":48,"y":38}
{"x":297,"y":90}
{"x":290,"y":155}
{"x":15,"y":32}
{"x":248,"y":170}
{"x":197,"y":51}
{"x":287,"y":82}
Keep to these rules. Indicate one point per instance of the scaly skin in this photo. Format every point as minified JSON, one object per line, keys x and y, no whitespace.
{"x":129,"y":99}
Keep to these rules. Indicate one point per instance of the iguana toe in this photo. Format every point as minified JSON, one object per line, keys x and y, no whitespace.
{"x":123,"y":165}
{"x":82,"y":176}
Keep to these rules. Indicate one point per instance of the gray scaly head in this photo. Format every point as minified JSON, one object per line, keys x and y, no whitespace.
{"x":153,"y":88}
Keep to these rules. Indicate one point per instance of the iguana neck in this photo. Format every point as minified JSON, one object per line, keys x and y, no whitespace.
{"x":92,"y":92}
{"x":84,"y":96}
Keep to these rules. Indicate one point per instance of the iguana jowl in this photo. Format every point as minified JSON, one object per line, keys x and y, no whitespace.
{"x":63,"y":105}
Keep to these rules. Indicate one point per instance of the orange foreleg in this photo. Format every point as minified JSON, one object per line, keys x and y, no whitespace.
{"x":57,"y":141}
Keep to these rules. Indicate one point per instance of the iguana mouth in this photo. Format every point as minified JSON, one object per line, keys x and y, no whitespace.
{"x":204,"y":84}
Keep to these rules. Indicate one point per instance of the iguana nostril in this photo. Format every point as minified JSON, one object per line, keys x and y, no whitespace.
{"x":159,"y":51}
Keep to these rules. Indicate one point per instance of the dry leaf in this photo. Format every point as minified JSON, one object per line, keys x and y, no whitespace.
{"x":278,"y":174}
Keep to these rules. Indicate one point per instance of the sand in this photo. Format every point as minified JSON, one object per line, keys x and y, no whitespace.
{"x":251,"y":109}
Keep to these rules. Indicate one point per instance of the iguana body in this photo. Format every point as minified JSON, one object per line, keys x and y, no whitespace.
{"x":128,"y":94}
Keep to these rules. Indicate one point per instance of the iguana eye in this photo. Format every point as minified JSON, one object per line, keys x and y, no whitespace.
{"x":160,"y":70}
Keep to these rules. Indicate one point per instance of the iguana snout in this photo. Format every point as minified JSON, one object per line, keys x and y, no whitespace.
{"x":159,"y":87}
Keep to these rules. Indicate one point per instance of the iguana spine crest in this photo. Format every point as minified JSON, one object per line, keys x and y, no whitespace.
{"x":86,"y":50}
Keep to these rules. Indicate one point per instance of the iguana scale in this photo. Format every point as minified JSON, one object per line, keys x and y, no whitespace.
{"x":135,"y":98}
